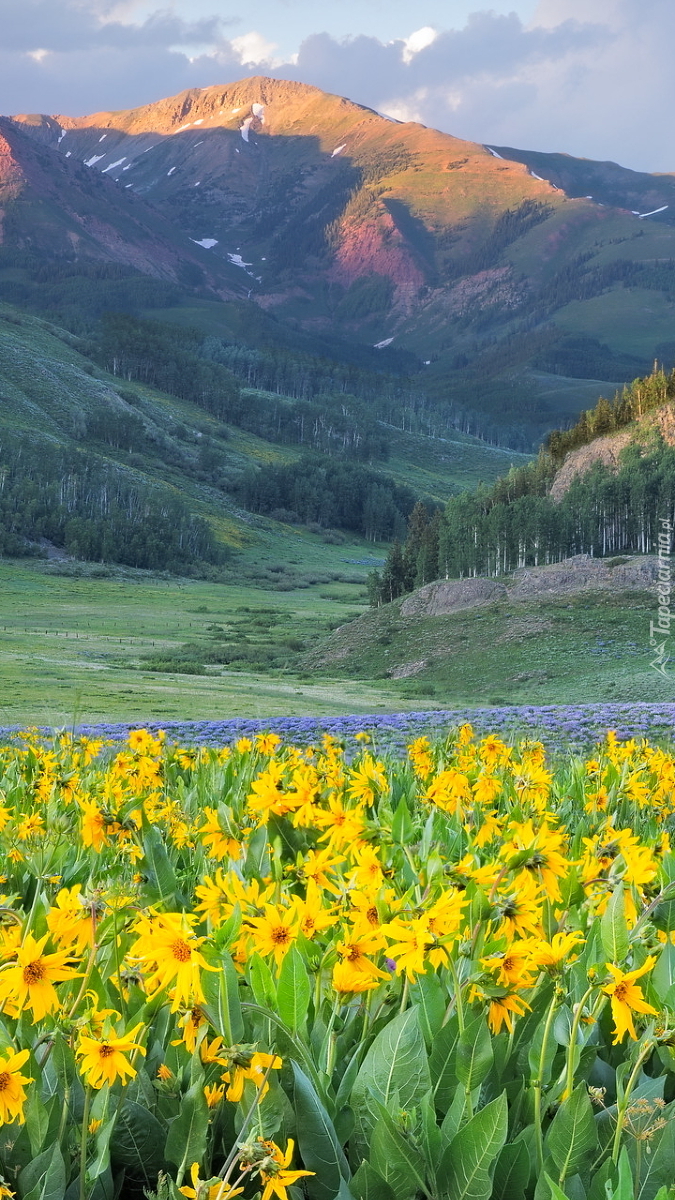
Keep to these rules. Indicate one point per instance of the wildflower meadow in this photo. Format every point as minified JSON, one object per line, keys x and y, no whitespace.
{"x":283,"y":971}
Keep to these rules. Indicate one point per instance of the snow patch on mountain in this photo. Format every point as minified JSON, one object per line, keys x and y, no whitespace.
{"x":338,"y":149}
{"x":61,"y":136}
{"x":168,"y":172}
{"x":113,"y":165}
{"x":91,"y":162}
{"x":381,"y":345}
{"x":238,"y":261}
{"x":493,"y":152}
{"x":245,"y":129}
{"x":258,"y":111}
{"x":207,"y":243}
{"x":653,"y":212}
{"x":103,"y":137}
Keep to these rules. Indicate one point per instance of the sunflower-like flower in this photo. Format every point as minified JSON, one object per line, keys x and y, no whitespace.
{"x":103,"y":1059}
{"x":208,"y":1189}
{"x":12,"y":1087}
{"x":626,"y":998}
{"x":169,"y":950}
{"x":29,"y":983}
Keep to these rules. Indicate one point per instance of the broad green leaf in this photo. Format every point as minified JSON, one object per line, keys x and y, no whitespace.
{"x":293,"y":990}
{"x":396,"y":1160}
{"x":428,"y":995}
{"x":662,"y":977}
{"x":613,"y":927}
{"x":474,"y":1054}
{"x":138,"y":1143}
{"x":222,"y":1005}
{"x":556,"y":1192}
{"x":402,"y":828}
{"x":457,"y":1115}
{"x":317,"y":1141}
{"x":572,"y":1135}
{"x":512,"y":1172}
{"x":368,"y":1184}
{"x":465,"y":1170}
{"x":45,"y":1177}
{"x":442,"y":1065}
{"x":257,"y":863}
{"x":159,"y":866}
{"x":186,"y":1140}
{"x":37,"y":1121}
{"x":396,"y":1064}
{"x":262,"y":983}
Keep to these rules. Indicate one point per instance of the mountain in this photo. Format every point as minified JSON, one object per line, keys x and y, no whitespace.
{"x":50,"y":207}
{"x":519,"y":284}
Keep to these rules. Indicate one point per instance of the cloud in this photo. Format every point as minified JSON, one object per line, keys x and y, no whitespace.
{"x":592,"y":80}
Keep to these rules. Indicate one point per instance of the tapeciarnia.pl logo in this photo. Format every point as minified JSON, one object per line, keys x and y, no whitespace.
{"x":661,"y":628}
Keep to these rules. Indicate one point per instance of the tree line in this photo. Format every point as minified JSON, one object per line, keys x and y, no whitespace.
{"x":330,"y":493}
{"x":517,"y":523}
{"x":94,"y":510}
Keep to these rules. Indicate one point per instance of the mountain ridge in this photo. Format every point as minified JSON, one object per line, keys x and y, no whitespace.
{"x":518,"y":298}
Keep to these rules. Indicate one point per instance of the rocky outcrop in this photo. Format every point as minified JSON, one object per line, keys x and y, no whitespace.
{"x":578,"y":574}
{"x":607,"y":450}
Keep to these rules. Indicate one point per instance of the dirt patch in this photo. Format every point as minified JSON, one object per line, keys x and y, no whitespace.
{"x":408,"y":669}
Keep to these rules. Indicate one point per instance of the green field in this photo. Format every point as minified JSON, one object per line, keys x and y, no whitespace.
{"x":72,"y":648}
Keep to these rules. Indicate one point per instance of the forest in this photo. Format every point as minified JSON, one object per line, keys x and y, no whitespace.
{"x":95,"y":510}
{"x":517,"y":523}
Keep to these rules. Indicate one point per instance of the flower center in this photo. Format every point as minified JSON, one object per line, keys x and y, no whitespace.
{"x":5,"y":1080}
{"x":620,"y":991}
{"x":34,"y":972}
{"x":105,"y":1050}
{"x":181,"y":951}
{"x":281,"y":935}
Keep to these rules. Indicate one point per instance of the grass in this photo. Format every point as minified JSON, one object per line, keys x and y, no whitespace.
{"x":74,"y":648}
{"x":592,"y":647}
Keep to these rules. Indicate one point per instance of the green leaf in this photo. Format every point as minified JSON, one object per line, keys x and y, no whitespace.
{"x":396,"y":1160}
{"x":257,"y":863}
{"x":474,"y":1054}
{"x":317,"y":1141}
{"x":293,"y":990}
{"x":512,"y":1172}
{"x":613,"y":927}
{"x":465,"y":1170}
{"x":396,"y":1063}
{"x":37,"y":1121}
{"x":662,"y":977}
{"x":368,"y":1184}
{"x":186,"y":1141}
{"x":458,"y":1114}
{"x":158,"y":865}
{"x":442,"y":1065}
{"x":428,"y":995}
{"x":262,"y":983}
{"x":45,"y":1177}
{"x":402,"y":828}
{"x":138,"y":1142}
{"x":222,"y":1005}
{"x":556,"y":1192}
{"x":572,"y":1135}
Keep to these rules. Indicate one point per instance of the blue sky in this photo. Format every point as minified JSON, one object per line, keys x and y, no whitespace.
{"x":593,"y":78}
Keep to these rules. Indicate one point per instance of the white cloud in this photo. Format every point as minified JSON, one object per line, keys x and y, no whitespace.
{"x":253,"y":48}
{"x":593,"y":79}
{"x":419,"y":40}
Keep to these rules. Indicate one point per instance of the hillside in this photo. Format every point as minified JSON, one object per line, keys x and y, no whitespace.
{"x":520,"y":292}
{"x":539,"y":635}
{"x":53,"y":395}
